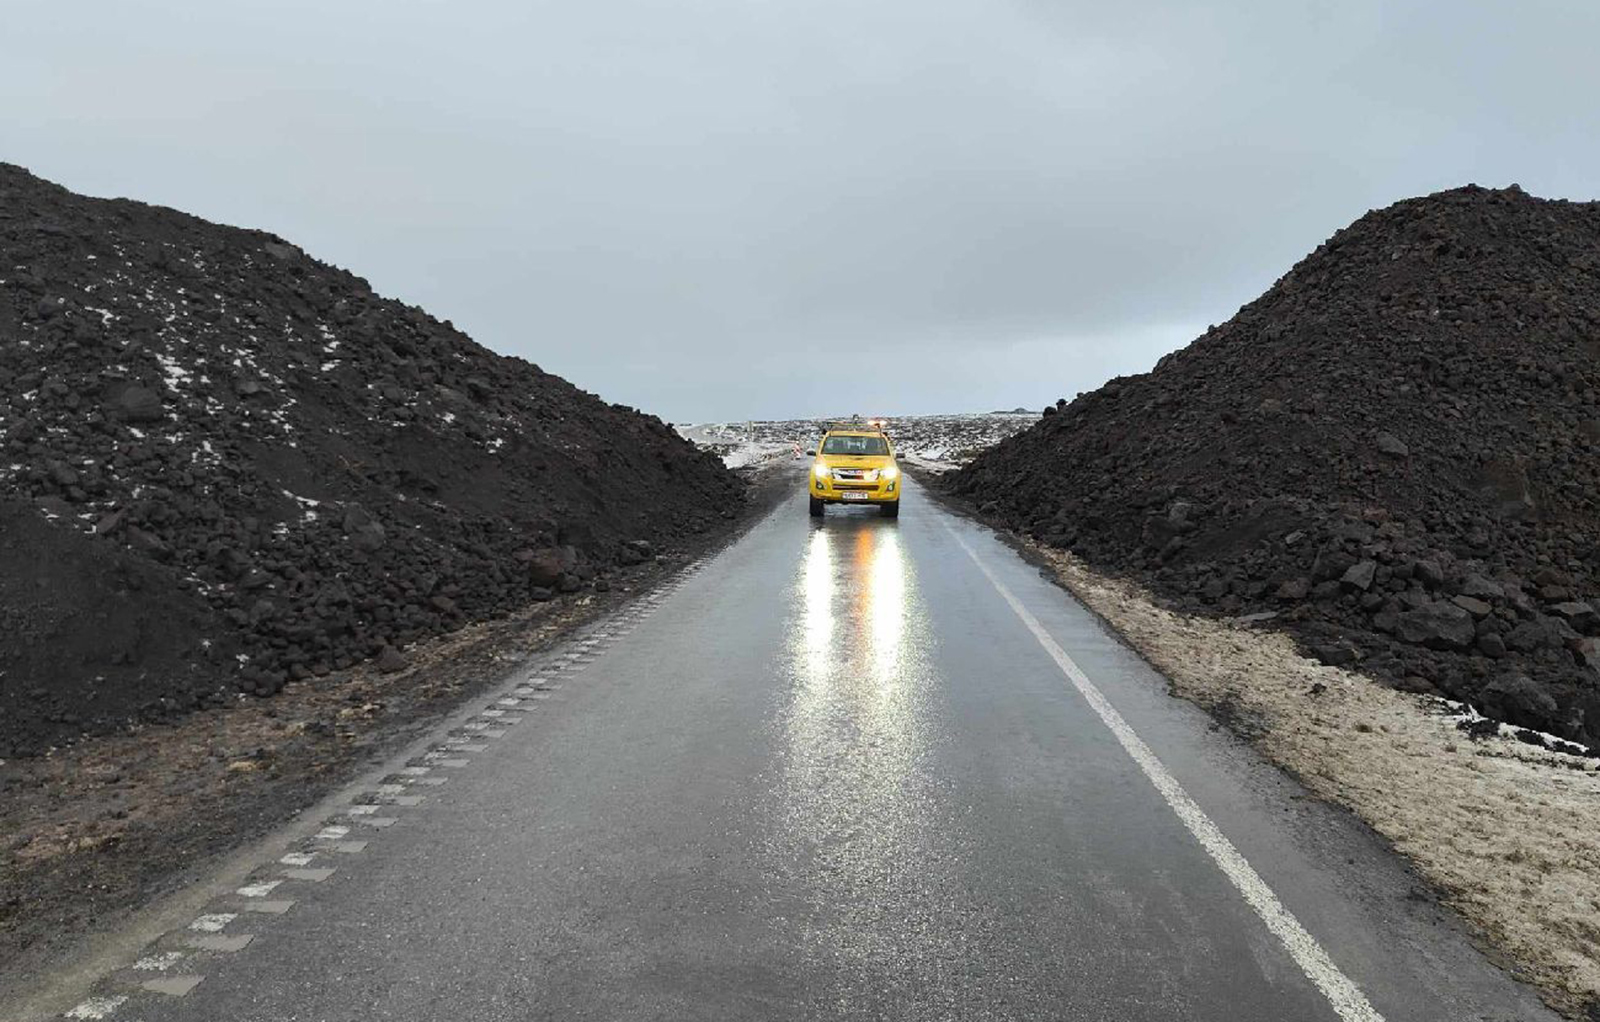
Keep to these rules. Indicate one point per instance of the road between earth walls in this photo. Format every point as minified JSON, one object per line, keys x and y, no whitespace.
{"x":1502,"y":829}
{"x":93,"y":832}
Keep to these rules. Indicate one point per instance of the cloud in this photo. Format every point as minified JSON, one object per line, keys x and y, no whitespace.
{"x":754,"y":208}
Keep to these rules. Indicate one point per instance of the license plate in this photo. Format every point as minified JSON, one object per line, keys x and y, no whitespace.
{"x":854,"y":495}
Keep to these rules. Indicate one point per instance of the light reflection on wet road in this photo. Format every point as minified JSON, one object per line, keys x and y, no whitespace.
{"x":936,"y":877}
{"x":853,"y":793}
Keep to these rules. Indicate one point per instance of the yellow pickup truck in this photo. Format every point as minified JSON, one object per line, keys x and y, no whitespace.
{"x":855,"y":466}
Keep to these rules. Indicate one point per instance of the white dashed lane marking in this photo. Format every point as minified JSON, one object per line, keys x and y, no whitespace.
{"x":205,"y":932}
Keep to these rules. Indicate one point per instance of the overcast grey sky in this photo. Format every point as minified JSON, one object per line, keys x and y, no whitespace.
{"x":768,"y":208}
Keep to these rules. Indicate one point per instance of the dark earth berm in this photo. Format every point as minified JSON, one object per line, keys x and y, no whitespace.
{"x":225,"y":465}
{"x":1395,"y":452}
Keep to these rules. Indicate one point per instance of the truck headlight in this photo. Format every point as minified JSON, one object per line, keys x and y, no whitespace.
{"x":820,"y":471}
{"x":891,"y":472}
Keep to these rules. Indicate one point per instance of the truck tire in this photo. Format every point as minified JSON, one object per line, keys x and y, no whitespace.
{"x":816,"y":508}
{"x":891,"y":509}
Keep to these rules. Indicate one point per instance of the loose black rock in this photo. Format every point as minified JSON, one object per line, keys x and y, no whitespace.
{"x":224,"y":464}
{"x":1411,"y":413}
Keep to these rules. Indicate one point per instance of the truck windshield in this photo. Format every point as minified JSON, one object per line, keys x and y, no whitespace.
{"x":855,"y":445}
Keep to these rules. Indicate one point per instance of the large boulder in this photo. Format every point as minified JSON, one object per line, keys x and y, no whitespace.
{"x":1482,"y":588}
{"x":365,"y":531}
{"x":1537,"y":633}
{"x":1359,"y":576}
{"x":545,"y":567}
{"x":139,"y":404}
{"x":1517,"y":699}
{"x":1580,"y":615}
{"x":1437,"y":625}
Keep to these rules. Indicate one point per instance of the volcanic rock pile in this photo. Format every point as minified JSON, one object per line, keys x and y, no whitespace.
{"x":1394,"y":453}
{"x":224,"y":465}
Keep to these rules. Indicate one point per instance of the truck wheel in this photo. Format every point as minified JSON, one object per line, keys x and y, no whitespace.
{"x":816,"y":508}
{"x":891,"y":509}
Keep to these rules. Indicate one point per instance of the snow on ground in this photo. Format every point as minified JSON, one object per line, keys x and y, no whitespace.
{"x":1506,"y":829}
{"x":739,"y":444}
{"x":748,"y":455}
{"x":935,"y":442}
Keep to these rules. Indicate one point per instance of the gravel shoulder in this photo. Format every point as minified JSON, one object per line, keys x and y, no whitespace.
{"x":1505,"y":830}
{"x":92,"y":832}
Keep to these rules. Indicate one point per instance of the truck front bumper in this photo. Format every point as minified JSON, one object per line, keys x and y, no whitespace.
{"x":830,"y":491}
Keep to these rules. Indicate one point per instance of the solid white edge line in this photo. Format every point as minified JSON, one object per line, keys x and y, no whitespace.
{"x":1341,"y":992}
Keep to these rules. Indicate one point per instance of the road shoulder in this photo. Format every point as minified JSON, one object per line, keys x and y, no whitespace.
{"x":1500,"y":829}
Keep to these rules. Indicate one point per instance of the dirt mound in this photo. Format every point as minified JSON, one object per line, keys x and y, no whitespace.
{"x":114,"y":623}
{"x":1395,"y":451}
{"x":225,"y":464}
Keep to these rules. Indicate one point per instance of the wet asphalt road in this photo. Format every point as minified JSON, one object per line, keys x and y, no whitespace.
{"x":834,"y":775}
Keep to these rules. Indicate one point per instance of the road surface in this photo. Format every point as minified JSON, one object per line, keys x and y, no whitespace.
{"x":848,"y":769}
